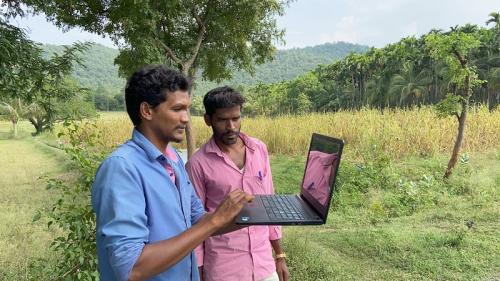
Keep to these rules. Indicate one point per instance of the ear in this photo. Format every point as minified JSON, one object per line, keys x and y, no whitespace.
{"x":208,"y":120}
{"x":145,"y":111}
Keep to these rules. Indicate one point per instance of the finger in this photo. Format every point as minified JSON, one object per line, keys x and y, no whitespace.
{"x":280,"y":275}
{"x":249,"y":197}
{"x":236,"y":194}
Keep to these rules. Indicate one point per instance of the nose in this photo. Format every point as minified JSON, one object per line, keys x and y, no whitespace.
{"x":231,"y":125}
{"x":185,"y":116}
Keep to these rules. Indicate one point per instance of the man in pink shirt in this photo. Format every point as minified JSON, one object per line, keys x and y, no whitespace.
{"x":231,"y":160}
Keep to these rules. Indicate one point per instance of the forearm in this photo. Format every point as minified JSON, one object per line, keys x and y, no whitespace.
{"x":281,"y":267}
{"x":229,"y":228}
{"x":158,"y":257}
{"x":276,"y":244}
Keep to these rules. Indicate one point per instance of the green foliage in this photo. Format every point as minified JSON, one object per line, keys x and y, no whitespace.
{"x":40,"y":84}
{"x":99,"y":73}
{"x":190,"y":35}
{"x":72,"y":212}
{"x":286,"y":65}
{"x":18,"y":57}
{"x":454,"y":49}
{"x":411,"y":72}
{"x":449,"y":106}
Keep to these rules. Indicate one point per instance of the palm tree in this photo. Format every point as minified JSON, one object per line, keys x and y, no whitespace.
{"x":409,"y":87}
{"x":495,"y":18}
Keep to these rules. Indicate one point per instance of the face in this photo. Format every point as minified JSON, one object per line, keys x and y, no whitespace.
{"x":168,"y":120}
{"x":226,"y":124}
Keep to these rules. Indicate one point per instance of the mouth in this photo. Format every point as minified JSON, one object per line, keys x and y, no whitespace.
{"x":231,"y":135}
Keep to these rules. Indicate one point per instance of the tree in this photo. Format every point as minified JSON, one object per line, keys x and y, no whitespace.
{"x":18,"y":56}
{"x":409,"y":87}
{"x":454,"y":48}
{"x":52,"y":85}
{"x":495,"y":19}
{"x":14,"y":111}
{"x":214,"y":36}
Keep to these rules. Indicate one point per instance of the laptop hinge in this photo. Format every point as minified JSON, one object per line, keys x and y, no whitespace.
{"x":310,"y":206}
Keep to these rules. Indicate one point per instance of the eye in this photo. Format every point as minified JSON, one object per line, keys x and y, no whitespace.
{"x":178,"y":108}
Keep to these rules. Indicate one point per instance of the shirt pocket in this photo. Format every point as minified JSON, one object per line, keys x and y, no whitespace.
{"x":256,"y":182}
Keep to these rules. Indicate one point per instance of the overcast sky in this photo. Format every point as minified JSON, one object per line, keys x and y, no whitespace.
{"x":312,"y":22}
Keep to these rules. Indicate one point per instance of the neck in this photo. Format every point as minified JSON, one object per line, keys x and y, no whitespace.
{"x":157,"y":142}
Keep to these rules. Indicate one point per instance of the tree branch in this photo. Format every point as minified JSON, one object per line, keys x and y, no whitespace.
{"x":463,"y":61}
{"x":169,"y":51}
{"x":202,"y":28}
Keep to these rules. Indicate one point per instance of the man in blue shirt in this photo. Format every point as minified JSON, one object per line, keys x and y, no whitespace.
{"x":149,"y":218}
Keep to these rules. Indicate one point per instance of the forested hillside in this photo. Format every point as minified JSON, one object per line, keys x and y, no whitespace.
{"x":289,"y":64}
{"x":100,"y":71}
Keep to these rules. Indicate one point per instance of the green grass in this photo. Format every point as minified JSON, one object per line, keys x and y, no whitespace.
{"x":24,"y":163}
{"x":454,"y":236}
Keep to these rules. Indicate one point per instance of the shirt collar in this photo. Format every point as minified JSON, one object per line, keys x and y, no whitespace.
{"x":151,"y":151}
{"x":212,"y":146}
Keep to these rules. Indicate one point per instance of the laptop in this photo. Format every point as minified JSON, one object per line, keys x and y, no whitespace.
{"x":310,"y":207}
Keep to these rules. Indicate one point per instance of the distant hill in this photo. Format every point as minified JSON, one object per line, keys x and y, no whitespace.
{"x":99,"y":69}
{"x":288,"y":64}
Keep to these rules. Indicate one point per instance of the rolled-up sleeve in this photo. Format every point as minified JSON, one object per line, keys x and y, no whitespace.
{"x":119,"y":203}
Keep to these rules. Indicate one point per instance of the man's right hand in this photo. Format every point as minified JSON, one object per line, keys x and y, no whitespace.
{"x":230,"y":208}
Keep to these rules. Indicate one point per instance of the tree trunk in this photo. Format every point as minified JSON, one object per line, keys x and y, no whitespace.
{"x":14,"y":127}
{"x":458,"y":140}
{"x":190,"y":138}
{"x":38,"y":124}
{"x":461,"y":128}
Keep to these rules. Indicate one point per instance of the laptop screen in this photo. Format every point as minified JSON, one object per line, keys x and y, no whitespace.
{"x":321,"y":169}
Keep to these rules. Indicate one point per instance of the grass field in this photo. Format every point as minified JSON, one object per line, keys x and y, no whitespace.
{"x":393,"y":218}
{"x":399,"y":133}
{"x":25,"y":162}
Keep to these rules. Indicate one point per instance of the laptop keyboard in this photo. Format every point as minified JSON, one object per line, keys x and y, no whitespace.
{"x":281,"y":208}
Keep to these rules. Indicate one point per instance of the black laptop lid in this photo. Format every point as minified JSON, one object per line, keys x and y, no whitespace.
{"x":320,"y":172}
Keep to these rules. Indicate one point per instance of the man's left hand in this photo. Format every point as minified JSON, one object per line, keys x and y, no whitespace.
{"x":282,"y":270}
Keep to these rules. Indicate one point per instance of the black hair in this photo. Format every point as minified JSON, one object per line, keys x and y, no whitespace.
{"x":151,"y":84}
{"x":222,"y":97}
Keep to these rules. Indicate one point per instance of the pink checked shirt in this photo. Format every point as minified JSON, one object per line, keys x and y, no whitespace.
{"x":245,"y":254}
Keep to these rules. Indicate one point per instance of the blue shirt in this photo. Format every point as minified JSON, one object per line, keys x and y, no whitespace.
{"x":136,"y":203}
